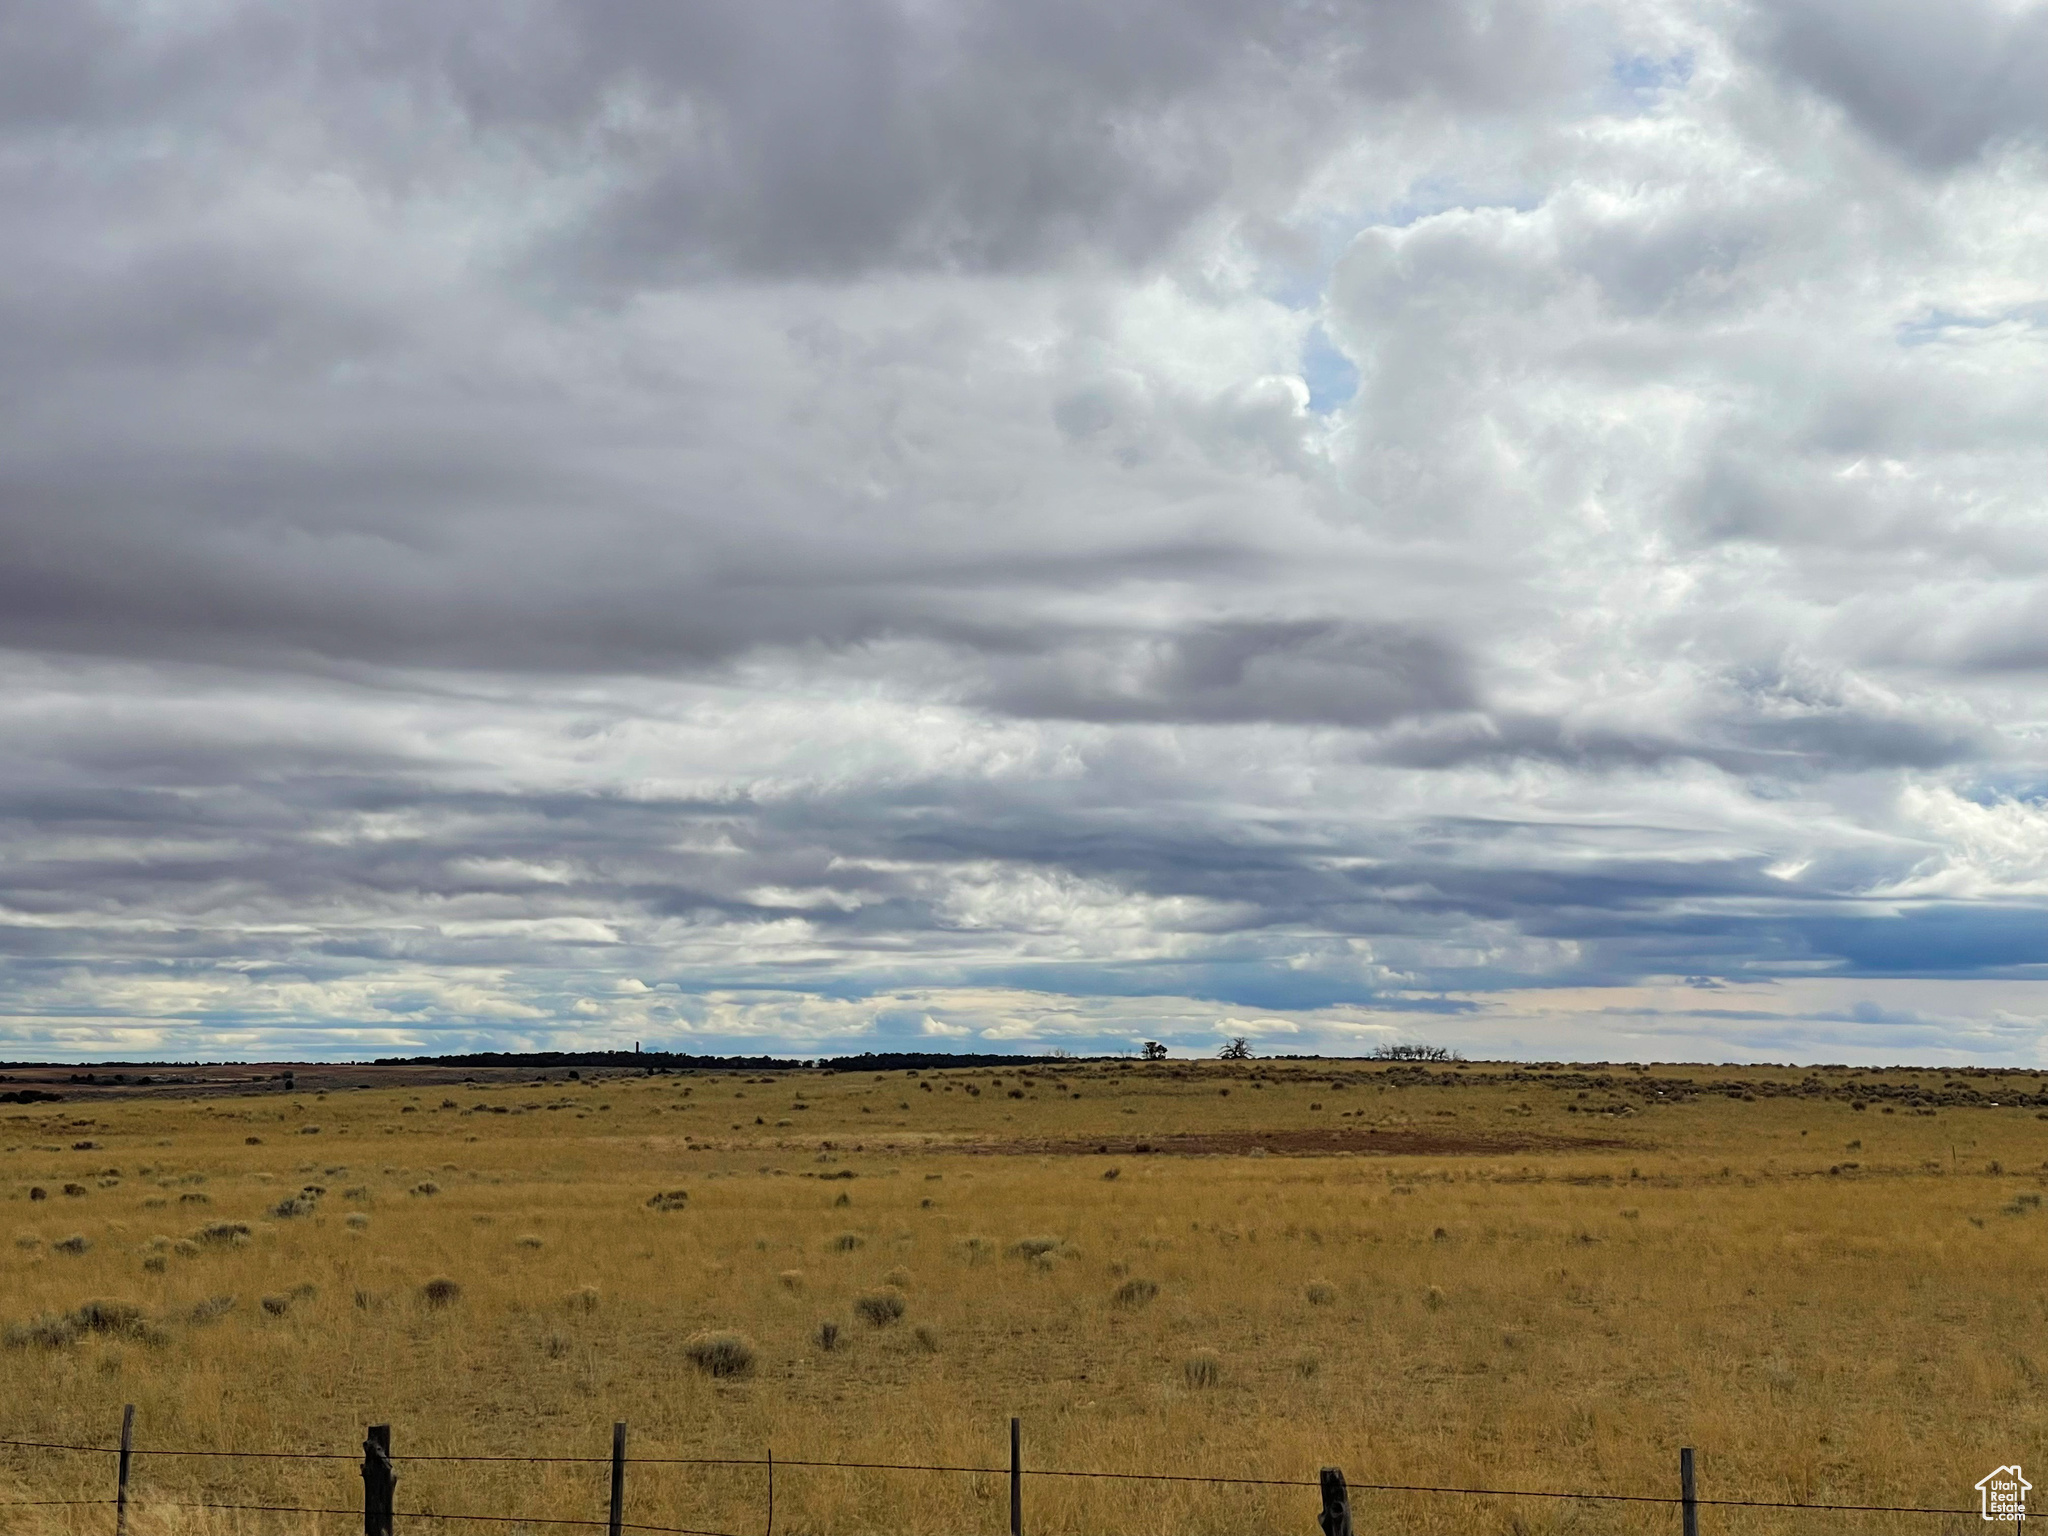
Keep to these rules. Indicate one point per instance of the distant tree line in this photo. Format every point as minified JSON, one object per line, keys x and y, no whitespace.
{"x":679,"y":1061}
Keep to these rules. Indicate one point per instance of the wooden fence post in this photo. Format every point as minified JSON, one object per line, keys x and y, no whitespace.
{"x":1016,"y":1480}
{"x":1688,"y":1493}
{"x":1336,"y":1516}
{"x":121,"y":1486}
{"x":378,"y":1481}
{"x":618,"y":1477}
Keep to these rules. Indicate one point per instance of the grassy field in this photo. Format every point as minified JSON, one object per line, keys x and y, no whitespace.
{"x":1831,"y":1282}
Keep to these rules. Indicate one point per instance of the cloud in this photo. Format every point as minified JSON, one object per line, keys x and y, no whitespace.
{"x":1302,"y":672}
{"x":1936,"y":89}
{"x":1003,"y":523}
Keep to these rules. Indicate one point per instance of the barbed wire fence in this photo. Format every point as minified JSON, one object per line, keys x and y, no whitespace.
{"x":379,"y":1469}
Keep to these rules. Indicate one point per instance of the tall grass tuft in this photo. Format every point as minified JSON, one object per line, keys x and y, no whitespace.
{"x":879,"y":1308}
{"x":1134,"y":1293}
{"x":721,"y":1354}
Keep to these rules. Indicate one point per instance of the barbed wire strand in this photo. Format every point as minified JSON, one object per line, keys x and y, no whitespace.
{"x":146,"y":1450}
{"x":421,"y":1514}
{"x":1658,"y":1498}
{"x":891,"y":1466}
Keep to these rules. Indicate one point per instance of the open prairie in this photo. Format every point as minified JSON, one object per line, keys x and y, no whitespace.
{"x":1831,"y":1282}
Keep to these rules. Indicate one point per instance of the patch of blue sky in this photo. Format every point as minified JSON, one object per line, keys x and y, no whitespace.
{"x":1641,"y":80}
{"x":1332,"y":377}
{"x":1948,"y":325}
{"x":1301,"y":284}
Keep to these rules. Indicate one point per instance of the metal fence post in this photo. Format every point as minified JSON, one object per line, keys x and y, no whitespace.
{"x":1016,"y":1480}
{"x":1336,"y":1516}
{"x":1688,"y":1493}
{"x":121,"y":1485}
{"x":618,"y":1477}
{"x":378,"y":1481}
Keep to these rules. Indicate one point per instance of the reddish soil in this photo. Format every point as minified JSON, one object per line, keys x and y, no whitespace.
{"x":1314,"y":1142}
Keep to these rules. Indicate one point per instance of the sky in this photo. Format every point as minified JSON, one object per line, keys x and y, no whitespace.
{"x":827,"y":525}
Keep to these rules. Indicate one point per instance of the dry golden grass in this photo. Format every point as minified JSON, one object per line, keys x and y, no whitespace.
{"x":510,"y":1283}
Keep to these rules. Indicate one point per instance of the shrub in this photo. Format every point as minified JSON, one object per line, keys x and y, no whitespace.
{"x":828,"y":1336}
{"x":102,"y":1316}
{"x":669,"y":1200}
{"x":277,"y":1306}
{"x":47,"y":1331}
{"x":75,"y":1191}
{"x":721,"y":1354}
{"x":224,"y":1234}
{"x":879,"y":1308}
{"x":792,"y":1279}
{"x":1034,"y":1247}
{"x":899,"y":1278}
{"x":77,"y":1243}
{"x":927,"y":1340}
{"x":212,"y":1308}
{"x":37,"y":1192}
{"x":1202,"y":1369}
{"x":583,"y":1299}
{"x":1320,"y":1293}
{"x":846,"y":1242}
{"x":426,"y":1187}
{"x":1433,"y":1298}
{"x":117,"y":1319}
{"x":843,"y":1201}
{"x":195,"y":1197}
{"x":440,"y":1292}
{"x":355,"y":1221}
{"x":1135,"y":1293}
{"x":295,"y":1205}
{"x":528,"y":1240}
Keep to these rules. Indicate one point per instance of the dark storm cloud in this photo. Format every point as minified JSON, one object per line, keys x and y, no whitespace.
{"x":789,"y":137}
{"x":806,"y":138}
{"x":1936,"y":85}
{"x":1302,"y":672}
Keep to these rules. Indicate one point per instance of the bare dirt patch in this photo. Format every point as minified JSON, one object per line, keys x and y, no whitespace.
{"x":1392,"y":1141}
